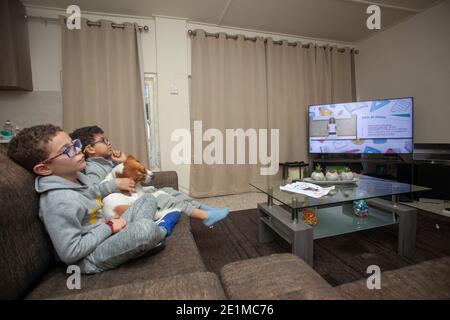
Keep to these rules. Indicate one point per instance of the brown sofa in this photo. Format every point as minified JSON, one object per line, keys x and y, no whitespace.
{"x":285,"y":276}
{"x":29,"y":270}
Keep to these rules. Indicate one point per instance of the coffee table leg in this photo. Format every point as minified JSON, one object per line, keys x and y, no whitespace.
{"x":407,"y":232}
{"x":395,"y":200}
{"x":265,"y":234}
{"x":276,"y":221}
{"x":295,"y":215}
{"x":303,"y":244}
{"x":270,"y":197}
{"x":406,"y":227}
{"x":407,"y":223}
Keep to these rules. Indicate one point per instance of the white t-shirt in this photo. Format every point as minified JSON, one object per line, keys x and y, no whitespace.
{"x":331,"y":128}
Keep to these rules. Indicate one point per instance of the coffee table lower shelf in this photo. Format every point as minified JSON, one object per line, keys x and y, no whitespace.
{"x":337,"y":220}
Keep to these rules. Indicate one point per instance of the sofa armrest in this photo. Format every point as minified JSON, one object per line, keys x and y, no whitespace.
{"x":165,"y":179}
{"x":192,"y":286}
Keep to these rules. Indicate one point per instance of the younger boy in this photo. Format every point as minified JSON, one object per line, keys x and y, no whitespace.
{"x":70,"y":205}
{"x":97,"y":149}
{"x":101,"y":159}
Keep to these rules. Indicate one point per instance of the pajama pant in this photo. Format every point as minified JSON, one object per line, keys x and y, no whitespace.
{"x":139,"y":236}
{"x":169,"y":199}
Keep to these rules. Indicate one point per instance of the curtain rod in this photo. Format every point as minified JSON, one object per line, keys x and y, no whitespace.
{"x":89,"y":22}
{"x":292,"y":44}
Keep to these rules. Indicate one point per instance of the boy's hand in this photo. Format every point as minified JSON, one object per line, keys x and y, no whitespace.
{"x":118,"y":224}
{"x":118,"y":156}
{"x":126,"y":184}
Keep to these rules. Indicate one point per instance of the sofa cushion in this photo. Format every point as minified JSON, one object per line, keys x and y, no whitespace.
{"x":183,"y":225}
{"x":165,"y":179}
{"x":25,"y":249}
{"x":192,"y":286}
{"x":180,"y":256}
{"x":426,"y":280}
{"x":278,"y":276}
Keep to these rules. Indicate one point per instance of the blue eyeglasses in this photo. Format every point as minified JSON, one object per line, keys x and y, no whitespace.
{"x":70,"y":151}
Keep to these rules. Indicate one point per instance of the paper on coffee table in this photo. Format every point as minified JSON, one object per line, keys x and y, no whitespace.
{"x":308,"y":189}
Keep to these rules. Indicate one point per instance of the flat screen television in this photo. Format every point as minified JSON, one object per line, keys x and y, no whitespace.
{"x":365,"y":127}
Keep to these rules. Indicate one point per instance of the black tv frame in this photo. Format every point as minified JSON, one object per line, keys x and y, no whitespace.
{"x":353,"y":155}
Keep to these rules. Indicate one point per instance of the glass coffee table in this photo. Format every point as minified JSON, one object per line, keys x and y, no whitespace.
{"x":334,"y":213}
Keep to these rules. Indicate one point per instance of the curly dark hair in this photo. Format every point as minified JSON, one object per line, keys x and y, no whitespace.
{"x":29,"y":147}
{"x":86,"y":134}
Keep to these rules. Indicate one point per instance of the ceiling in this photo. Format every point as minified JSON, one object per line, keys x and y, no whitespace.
{"x":337,"y":20}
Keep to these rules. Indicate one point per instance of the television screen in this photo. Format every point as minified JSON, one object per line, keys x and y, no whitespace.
{"x":377,"y":126}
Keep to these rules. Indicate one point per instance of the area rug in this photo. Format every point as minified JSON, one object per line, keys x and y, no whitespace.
{"x":338,"y":259}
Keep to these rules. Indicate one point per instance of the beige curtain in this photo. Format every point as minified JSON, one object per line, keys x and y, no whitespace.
{"x":248,"y":84}
{"x":102,"y":84}
{"x":228,"y":92}
{"x":297,"y":77}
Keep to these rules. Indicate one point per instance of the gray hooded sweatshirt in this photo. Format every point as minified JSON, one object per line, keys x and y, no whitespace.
{"x":97,"y":168}
{"x":72,"y":214}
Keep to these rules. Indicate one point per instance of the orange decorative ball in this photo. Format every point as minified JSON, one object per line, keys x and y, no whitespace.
{"x":309,"y":217}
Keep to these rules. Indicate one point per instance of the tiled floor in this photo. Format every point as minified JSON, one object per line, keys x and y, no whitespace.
{"x":237,"y":201}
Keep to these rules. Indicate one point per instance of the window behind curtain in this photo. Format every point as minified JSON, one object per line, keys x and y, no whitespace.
{"x":152,"y":120}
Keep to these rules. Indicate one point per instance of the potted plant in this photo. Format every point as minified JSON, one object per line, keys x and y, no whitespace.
{"x":318,"y":174}
{"x":347,"y":174}
{"x":332,"y":175}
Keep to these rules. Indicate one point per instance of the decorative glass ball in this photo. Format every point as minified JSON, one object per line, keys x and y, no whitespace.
{"x":360,"y":208}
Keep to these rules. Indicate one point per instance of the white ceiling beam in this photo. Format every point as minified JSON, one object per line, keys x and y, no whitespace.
{"x":383,"y":5}
{"x":224,"y":12}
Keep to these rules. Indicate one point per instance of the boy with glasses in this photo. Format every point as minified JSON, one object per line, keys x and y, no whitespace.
{"x":101,"y":159}
{"x":70,"y":205}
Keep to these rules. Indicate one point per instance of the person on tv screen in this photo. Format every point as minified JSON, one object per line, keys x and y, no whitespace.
{"x":332,"y":127}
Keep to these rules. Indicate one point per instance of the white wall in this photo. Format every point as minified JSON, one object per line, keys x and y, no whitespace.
{"x":166,"y":52}
{"x":173,"y":91}
{"x":412,"y":59}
